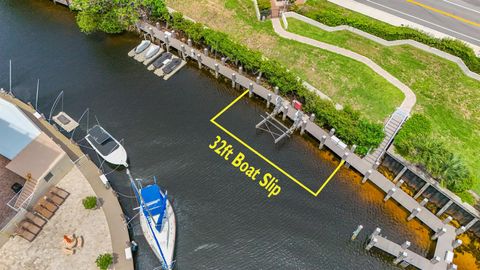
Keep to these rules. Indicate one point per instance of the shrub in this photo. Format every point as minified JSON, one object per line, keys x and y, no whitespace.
{"x":90,"y":202}
{"x":263,"y":4}
{"x":334,"y":15}
{"x":416,"y":142}
{"x":104,"y":261}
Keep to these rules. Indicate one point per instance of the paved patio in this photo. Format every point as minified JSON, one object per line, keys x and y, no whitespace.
{"x":45,"y":252}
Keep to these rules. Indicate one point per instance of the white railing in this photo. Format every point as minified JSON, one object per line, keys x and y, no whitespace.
{"x":24,"y":204}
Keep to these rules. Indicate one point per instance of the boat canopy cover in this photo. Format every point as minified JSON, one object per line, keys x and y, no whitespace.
{"x":98,"y":134}
{"x":156,"y":203}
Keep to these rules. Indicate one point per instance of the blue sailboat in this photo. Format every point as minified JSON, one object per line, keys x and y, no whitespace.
{"x":157,"y":220}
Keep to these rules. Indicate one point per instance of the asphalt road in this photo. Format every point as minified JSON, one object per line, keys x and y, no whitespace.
{"x":457,"y":18}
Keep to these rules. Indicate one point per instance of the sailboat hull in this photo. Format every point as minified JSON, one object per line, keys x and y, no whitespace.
{"x":165,"y":238}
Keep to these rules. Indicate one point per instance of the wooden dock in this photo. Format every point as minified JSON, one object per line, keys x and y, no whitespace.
{"x":444,"y":241}
{"x":412,"y":258}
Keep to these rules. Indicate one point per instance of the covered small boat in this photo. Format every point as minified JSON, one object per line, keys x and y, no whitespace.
{"x":162,"y":60}
{"x":171,"y":65}
{"x":152,"y":50}
{"x":142,"y":46}
{"x":157,"y":220}
{"x":106,"y":146}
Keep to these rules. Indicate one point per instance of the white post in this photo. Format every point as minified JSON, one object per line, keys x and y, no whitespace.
{"x":36,"y":95}
{"x":440,"y":232}
{"x":10,"y":76}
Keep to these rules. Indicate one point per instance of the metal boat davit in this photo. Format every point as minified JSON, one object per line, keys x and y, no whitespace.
{"x":106,"y":146}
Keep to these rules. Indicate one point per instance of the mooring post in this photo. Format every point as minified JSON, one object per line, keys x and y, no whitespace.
{"x":344,"y":157}
{"x":322,"y":141}
{"x":250,"y":90}
{"x":399,"y":183}
{"x":240,"y":70}
{"x":424,"y":202}
{"x":150,"y":31}
{"x":167,"y":43}
{"x":173,"y":34}
{"x":439,"y":233}
{"x":406,"y":245}
{"x":414,"y":213}
{"x":275,"y":90}
{"x":234,"y":77}
{"x":447,"y":220}
{"x":157,"y":25}
{"x":389,"y":194}
{"x":216,"y":70}
{"x":456,"y":243}
{"x":376,"y":232}
{"x":401,"y":256}
{"x":435,"y":259}
{"x":223,"y":60}
{"x":192,"y":53}
{"x":356,"y":232}
{"x":367,"y":174}
{"x":452,"y":266}
{"x":331,"y":132}
{"x":371,"y":243}
{"x":205,"y":51}
{"x":460,"y":230}
{"x":189,"y":42}
{"x":269,"y":99}
{"x":199,"y":60}
{"x":304,"y":125}
{"x":184,"y":52}
{"x":257,"y":80}
{"x":312,"y":117}
{"x":353,"y":148}
{"x":285,"y":111}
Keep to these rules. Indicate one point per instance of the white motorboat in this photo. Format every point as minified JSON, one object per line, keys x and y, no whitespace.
{"x":106,"y":146}
{"x":142,"y":46}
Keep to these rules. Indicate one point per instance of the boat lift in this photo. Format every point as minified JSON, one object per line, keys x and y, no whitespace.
{"x":276,"y":128}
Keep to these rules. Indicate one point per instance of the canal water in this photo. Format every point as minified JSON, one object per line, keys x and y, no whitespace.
{"x":224,"y":220}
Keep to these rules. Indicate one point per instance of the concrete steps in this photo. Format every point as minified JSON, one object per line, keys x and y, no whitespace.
{"x":391,"y":129}
{"x":26,"y":192}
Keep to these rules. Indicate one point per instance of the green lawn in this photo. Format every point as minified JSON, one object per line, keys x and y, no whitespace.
{"x":444,"y":94}
{"x":346,"y":81}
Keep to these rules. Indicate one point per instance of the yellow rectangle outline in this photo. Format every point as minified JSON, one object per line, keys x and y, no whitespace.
{"x":266,"y":159}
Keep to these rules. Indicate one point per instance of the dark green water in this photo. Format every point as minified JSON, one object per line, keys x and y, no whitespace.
{"x":224,"y":220}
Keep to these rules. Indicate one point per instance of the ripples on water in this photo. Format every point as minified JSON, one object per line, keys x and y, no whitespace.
{"x":225,"y":221}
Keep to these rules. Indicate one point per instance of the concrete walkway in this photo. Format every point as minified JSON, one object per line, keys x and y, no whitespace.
{"x":388,"y":43}
{"x":394,"y":20}
{"x":410,"y":98}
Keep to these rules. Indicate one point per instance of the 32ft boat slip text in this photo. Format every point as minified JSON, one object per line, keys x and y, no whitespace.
{"x":267,"y":181}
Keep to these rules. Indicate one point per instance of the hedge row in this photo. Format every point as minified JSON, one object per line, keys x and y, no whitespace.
{"x":416,"y":142}
{"x":332,"y":15}
{"x":349,"y":125}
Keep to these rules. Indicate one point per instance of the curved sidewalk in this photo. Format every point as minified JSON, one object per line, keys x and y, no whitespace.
{"x":388,"y":43}
{"x":410,"y":98}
